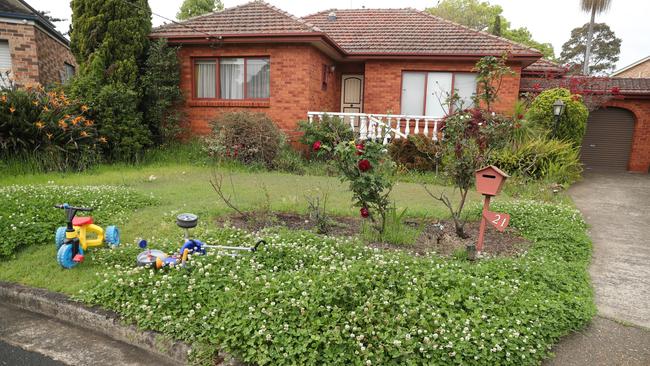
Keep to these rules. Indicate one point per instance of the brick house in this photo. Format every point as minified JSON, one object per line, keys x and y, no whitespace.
{"x":30,"y":46}
{"x":378,"y":69}
{"x":639,"y":69}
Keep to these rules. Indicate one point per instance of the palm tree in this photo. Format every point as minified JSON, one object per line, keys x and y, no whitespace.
{"x":593,"y":6}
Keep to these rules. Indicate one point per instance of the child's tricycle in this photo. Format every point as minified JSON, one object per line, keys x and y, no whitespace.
{"x":80,"y":233}
{"x":158,"y":259}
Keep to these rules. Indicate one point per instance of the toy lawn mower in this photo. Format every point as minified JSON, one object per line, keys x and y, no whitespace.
{"x":158,"y":259}
{"x":73,"y":240}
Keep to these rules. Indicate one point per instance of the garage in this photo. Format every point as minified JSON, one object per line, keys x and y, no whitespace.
{"x":608,"y":140}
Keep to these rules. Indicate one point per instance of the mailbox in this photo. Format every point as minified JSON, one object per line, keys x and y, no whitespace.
{"x":489,"y":180}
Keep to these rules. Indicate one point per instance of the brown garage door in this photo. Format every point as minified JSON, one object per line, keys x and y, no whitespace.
{"x":608,"y":140}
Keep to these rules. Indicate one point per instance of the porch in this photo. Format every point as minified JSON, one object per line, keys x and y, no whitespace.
{"x":385,"y":127}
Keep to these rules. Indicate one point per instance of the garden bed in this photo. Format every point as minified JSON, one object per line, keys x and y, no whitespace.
{"x":438,"y":237}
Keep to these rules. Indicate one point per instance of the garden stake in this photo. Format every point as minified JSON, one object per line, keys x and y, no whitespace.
{"x":489,"y":181}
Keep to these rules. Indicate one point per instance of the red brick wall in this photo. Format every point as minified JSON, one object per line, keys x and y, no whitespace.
{"x":52,"y":55}
{"x":383,"y":81}
{"x":295,"y":85}
{"x":640,"y":155}
{"x":22,"y":44}
{"x":641,"y":70}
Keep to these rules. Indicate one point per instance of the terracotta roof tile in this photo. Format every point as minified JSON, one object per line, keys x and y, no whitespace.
{"x":256,"y":17}
{"x":542,"y":66}
{"x":401,"y":31}
{"x":626,"y":86}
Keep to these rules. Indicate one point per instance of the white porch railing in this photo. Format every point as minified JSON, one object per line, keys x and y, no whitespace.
{"x":384,"y":127}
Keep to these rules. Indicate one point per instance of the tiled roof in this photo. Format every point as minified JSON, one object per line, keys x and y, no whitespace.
{"x":256,"y":17}
{"x":543,"y":66}
{"x":625,"y":86}
{"x":409,"y":31}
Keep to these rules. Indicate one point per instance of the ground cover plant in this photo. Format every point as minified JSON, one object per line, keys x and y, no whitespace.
{"x":309,"y":299}
{"x":27,"y":215}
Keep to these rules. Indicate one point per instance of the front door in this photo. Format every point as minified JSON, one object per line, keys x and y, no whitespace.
{"x":351,"y":93}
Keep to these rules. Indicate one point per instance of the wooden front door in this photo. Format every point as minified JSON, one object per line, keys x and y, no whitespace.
{"x":351,"y":93}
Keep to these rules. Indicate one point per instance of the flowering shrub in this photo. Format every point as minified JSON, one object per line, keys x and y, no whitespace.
{"x":247,"y":137}
{"x":324,"y":131}
{"x":416,"y":152}
{"x":370,"y":172}
{"x":331,"y":301}
{"x":27,"y":215}
{"x":49,"y":125}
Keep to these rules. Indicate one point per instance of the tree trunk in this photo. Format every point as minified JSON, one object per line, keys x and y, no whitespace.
{"x":590,"y":35}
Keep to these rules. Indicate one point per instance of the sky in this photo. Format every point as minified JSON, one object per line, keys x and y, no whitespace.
{"x":548,"y":20}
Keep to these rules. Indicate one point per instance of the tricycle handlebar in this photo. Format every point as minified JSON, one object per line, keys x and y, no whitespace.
{"x":65,"y":205}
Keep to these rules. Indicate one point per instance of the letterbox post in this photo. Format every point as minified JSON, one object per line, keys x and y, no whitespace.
{"x":489,"y":181}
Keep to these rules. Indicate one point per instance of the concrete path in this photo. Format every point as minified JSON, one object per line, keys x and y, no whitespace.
{"x":617,"y":208}
{"x":66,"y":343}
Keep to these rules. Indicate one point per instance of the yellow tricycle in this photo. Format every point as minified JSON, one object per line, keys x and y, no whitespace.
{"x":73,"y":240}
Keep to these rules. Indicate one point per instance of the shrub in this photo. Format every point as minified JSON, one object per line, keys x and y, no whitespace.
{"x":573,"y":122}
{"x":329,"y":301}
{"x":371,"y":175}
{"x":539,"y":158}
{"x":417,"y":152}
{"x":328,"y":131}
{"x":47,"y":128}
{"x":162,"y":92}
{"x":290,"y":161}
{"x":247,"y":137}
{"x":27,"y":215}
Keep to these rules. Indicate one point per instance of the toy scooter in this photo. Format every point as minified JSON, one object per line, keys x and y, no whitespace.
{"x":80,"y":233}
{"x":186,"y":221}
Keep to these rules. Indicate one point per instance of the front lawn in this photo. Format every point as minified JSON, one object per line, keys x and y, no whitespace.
{"x":311,"y":299}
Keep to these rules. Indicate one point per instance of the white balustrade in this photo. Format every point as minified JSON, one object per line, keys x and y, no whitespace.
{"x":384,"y":127}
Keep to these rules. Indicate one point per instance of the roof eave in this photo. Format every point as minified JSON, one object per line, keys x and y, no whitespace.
{"x":38,"y":20}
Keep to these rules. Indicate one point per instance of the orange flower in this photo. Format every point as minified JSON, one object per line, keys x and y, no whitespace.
{"x":39,"y":125}
{"x":103,"y":140}
{"x":3,"y":98}
{"x":88,"y":123}
{"x":76,"y":120}
{"x":45,"y":108}
{"x":84,"y":134}
{"x":35,"y":102}
{"x":12,"y":109}
{"x":66,"y":116}
{"x":62,"y":124}
{"x":84,"y":108}
{"x":49,"y":136}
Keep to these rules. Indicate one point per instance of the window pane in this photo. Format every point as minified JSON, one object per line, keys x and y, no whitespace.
{"x":258,"y":78}
{"x":5,"y":63}
{"x":438,"y":92}
{"x":206,"y":79}
{"x":413,"y":93}
{"x":465,"y":85}
{"x":231,"y":75}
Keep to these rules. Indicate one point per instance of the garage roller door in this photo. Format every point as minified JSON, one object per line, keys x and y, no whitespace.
{"x":608,"y":140}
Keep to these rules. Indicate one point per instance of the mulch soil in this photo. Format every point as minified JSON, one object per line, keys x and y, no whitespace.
{"x":439,"y":236}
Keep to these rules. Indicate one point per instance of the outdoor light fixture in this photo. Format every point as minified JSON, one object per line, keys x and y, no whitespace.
{"x":558,"y":110}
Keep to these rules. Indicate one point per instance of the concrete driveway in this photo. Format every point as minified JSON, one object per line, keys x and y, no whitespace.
{"x":617,"y":207}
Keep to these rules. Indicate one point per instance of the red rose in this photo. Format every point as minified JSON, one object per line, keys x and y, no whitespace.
{"x":537,"y":86}
{"x":520,"y":116}
{"x":316,"y":145}
{"x":364,"y":212}
{"x":616,"y":90}
{"x":360,"y":148}
{"x":364,"y":165}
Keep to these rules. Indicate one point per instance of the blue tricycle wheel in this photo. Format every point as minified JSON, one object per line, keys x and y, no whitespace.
{"x":59,"y":237}
{"x":64,"y":256}
{"x":112,"y":236}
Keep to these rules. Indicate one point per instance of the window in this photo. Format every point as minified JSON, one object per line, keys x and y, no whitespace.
{"x":236,"y":78}
{"x":67,"y":73}
{"x":426,"y":93}
{"x":5,"y":62}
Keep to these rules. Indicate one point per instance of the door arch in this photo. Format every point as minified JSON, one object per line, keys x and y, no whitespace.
{"x":607,"y":143}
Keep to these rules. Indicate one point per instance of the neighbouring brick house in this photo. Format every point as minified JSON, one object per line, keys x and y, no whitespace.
{"x":30,"y":46}
{"x":376,"y":68}
{"x":639,"y":69}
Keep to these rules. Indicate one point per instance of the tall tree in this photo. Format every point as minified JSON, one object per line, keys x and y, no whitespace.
{"x":605,"y":48}
{"x":109,"y":39}
{"x":483,"y":16}
{"x":192,"y":8}
{"x":592,"y":6}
